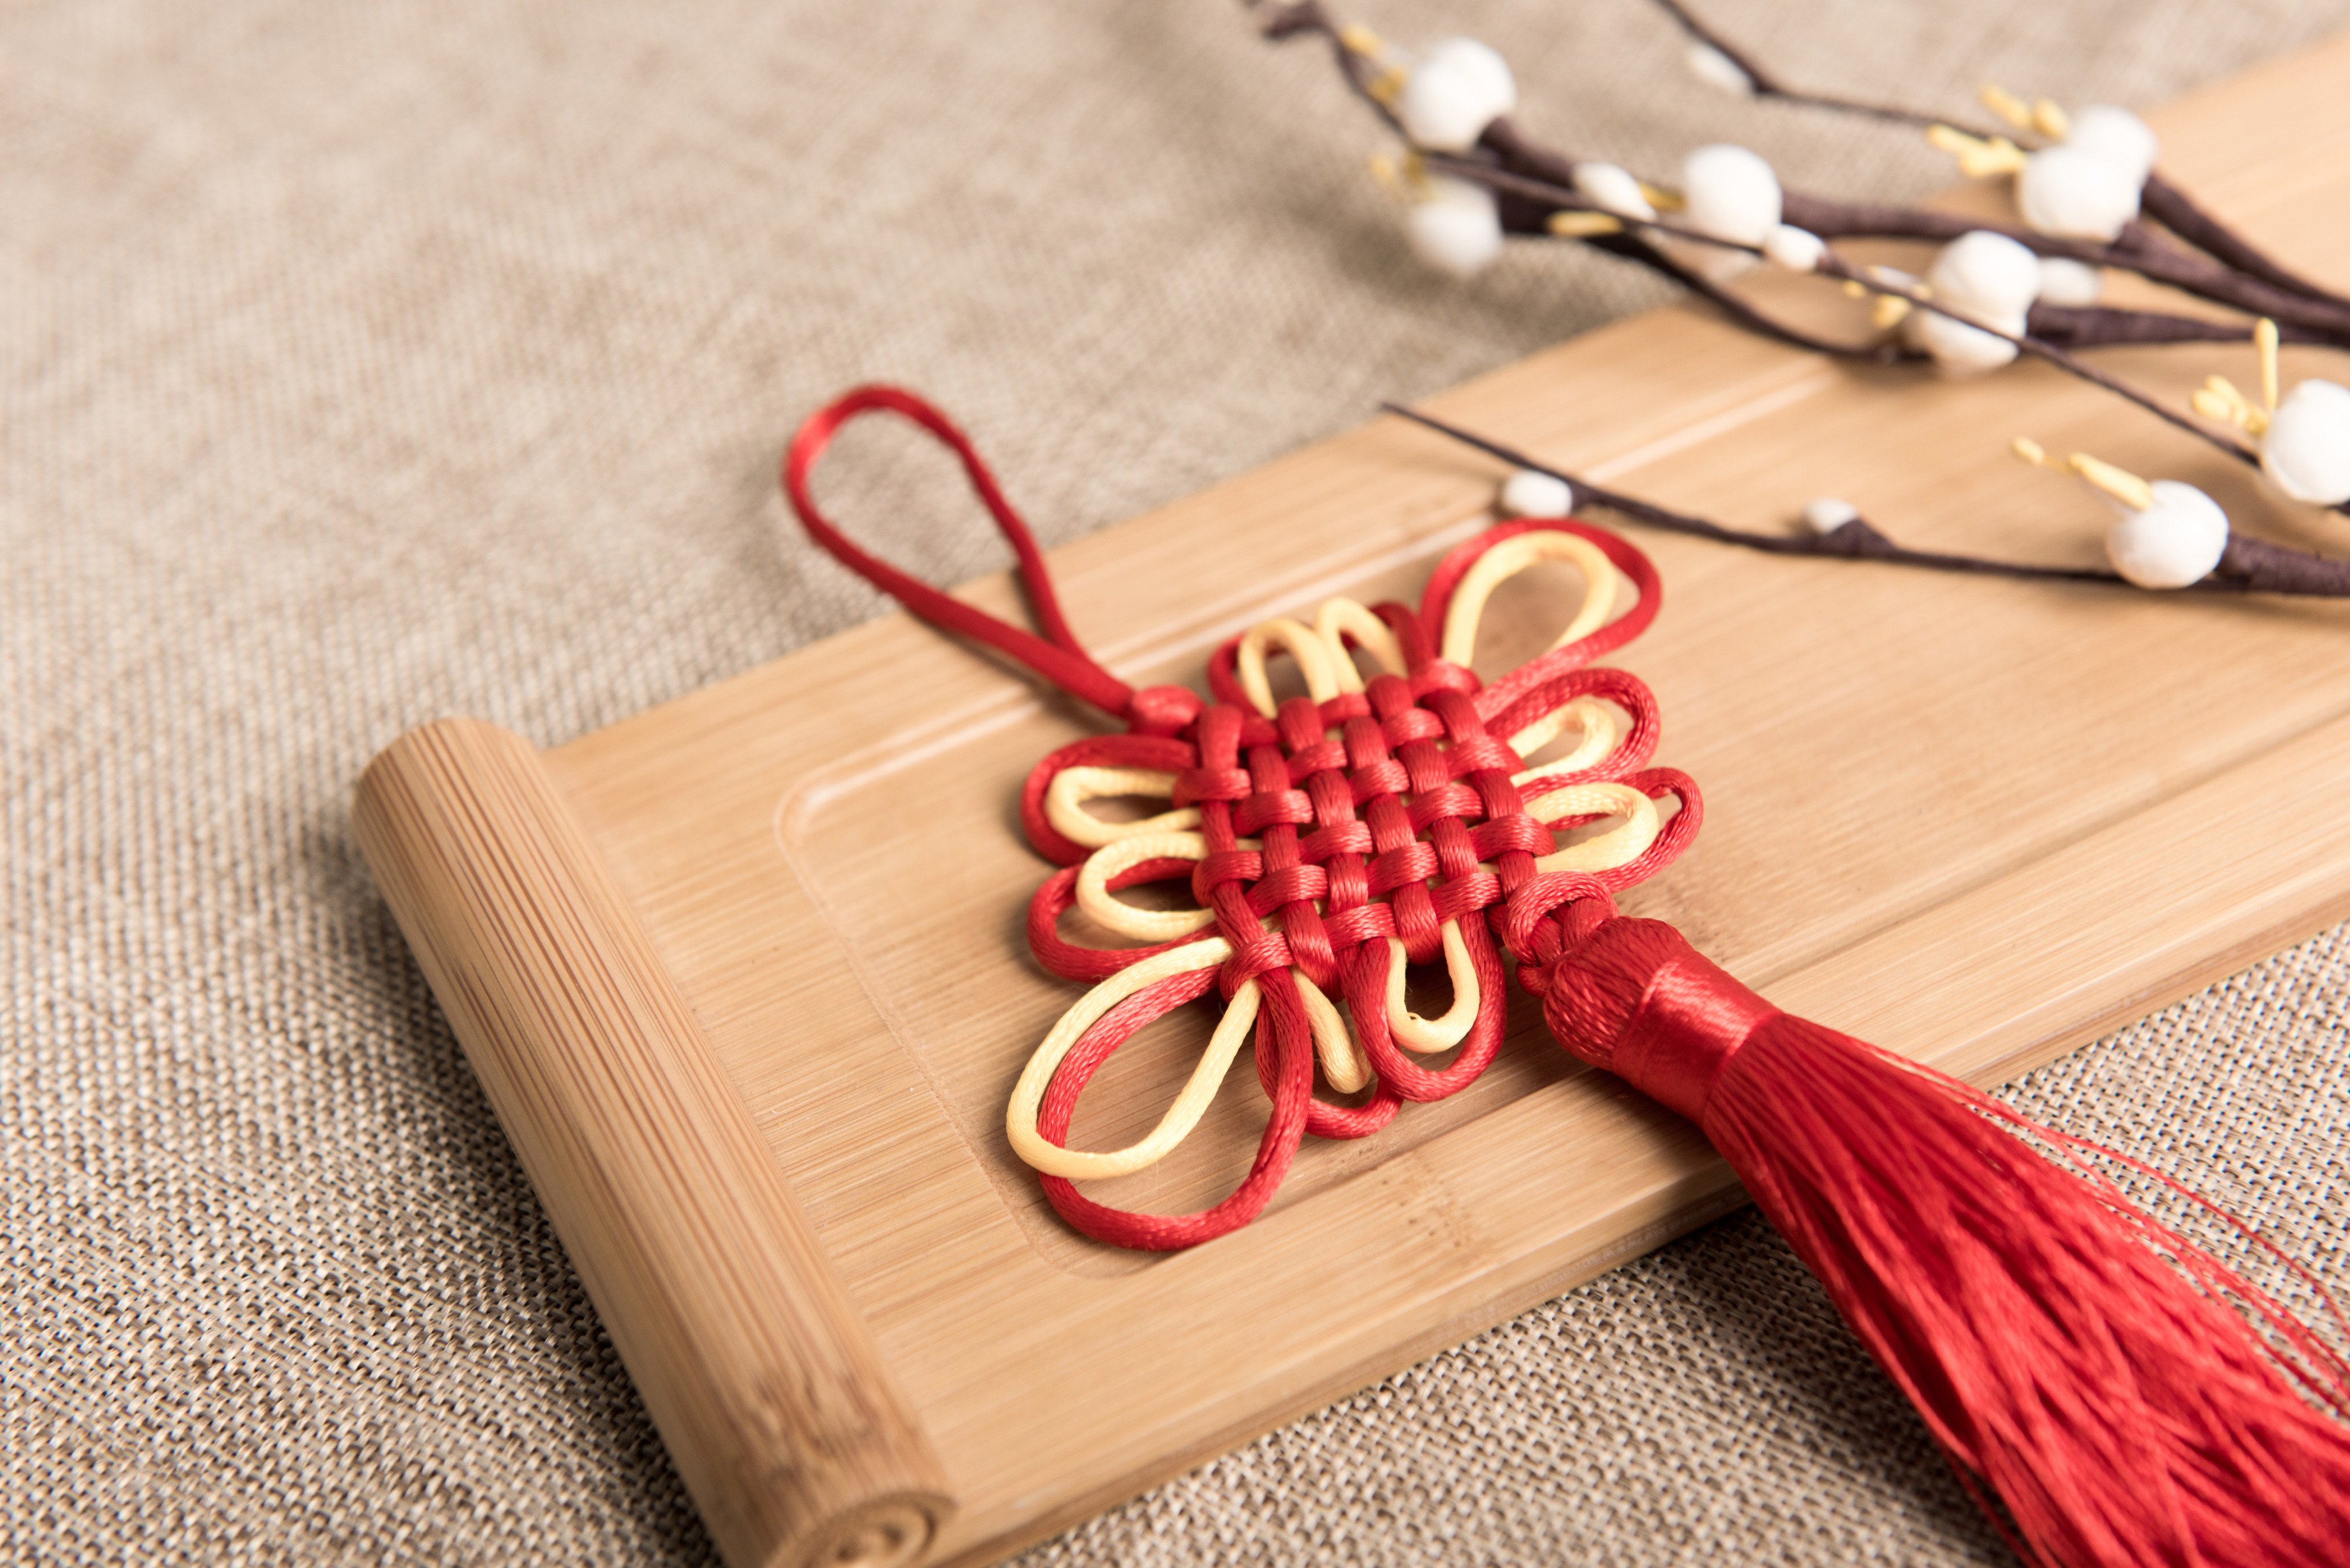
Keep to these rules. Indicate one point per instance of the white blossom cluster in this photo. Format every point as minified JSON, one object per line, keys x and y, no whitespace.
{"x":2174,"y":541}
{"x":1966,"y":313}
{"x":1457,"y":89}
{"x":2306,"y":450}
{"x":2086,"y":186}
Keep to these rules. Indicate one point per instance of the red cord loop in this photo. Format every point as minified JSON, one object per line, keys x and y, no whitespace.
{"x":1373,"y":818}
{"x":1057,"y":656}
{"x":1385,"y":814}
{"x":2071,"y":1354}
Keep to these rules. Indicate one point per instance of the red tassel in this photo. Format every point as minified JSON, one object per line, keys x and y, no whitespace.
{"x":2091,"y":1370}
{"x":2071,"y":1355}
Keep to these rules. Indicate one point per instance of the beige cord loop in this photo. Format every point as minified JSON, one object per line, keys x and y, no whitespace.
{"x":1313,"y":656}
{"x":1339,"y":618}
{"x":1619,"y":845}
{"x":1065,"y":798}
{"x":1327,"y":666}
{"x":1602,"y":730}
{"x":1094,"y":898}
{"x":1427,"y":1035}
{"x":1343,"y":1063}
{"x":1514,"y":555}
{"x":1323,"y":657}
{"x":1191,"y":1104}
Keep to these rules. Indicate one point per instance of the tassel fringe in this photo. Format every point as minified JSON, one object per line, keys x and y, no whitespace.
{"x":2128,"y":1398}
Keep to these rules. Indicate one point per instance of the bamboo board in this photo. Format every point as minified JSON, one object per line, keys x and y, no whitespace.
{"x":752,"y":1034}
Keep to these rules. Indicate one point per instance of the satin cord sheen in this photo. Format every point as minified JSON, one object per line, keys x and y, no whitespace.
{"x":1690,"y":1021}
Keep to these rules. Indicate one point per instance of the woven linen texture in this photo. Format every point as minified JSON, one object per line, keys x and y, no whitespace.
{"x":364,"y":364}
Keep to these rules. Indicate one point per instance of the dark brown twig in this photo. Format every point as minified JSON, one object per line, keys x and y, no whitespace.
{"x":1525,"y":210}
{"x":2248,"y":566}
{"x":2165,"y":203}
{"x":2072,"y":328}
{"x":1309,"y":18}
{"x":2172,"y":207}
{"x":1832,"y":266}
{"x":1769,"y":85}
{"x":1880,"y":351}
{"x":1532,"y":183}
{"x":2139,"y":248}
{"x":2101,"y":327}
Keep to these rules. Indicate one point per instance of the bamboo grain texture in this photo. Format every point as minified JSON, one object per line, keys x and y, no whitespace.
{"x":753,"y":1036}
{"x":769,"y":1391}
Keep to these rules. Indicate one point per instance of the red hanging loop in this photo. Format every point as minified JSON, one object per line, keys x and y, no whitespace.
{"x":1057,"y":656}
{"x":2126,"y":1398}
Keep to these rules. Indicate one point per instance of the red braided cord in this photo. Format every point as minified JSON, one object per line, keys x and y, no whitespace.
{"x":1438,"y":599}
{"x":1289,"y":1077}
{"x":2071,"y":1355}
{"x":1065,"y":958}
{"x":1063,"y":659}
{"x":1159,"y":753}
{"x":1377,"y":813}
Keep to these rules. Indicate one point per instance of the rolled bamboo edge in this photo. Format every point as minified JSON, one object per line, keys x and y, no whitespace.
{"x":766,"y":1384}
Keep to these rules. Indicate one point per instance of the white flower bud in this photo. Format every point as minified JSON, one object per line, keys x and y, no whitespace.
{"x":2115,"y":138}
{"x":1717,"y":71}
{"x":1454,"y":94}
{"x":2063,"y":281}
{"x":1732,"y":194}
{"x":1530,"y":494}
{"x":2171,"y":544}
{"x":1827,"y":513}
{"x":2306,"y":450}
{"x":1986,"y":276}
{"x":1455,"y":226}
{"x":2074,"y":194}
{"x":1959,"y":349}
{"x":1797,"y":250}
{"x":1612,"y":189}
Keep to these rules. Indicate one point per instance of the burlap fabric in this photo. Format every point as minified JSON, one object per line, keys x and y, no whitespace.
{"x":364,"y":364}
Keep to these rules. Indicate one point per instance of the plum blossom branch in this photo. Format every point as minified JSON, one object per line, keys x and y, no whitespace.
{"x":2122,"y":242}
{"x":2245,"y":564}
{"x":2164,"y":202}
{"x":1745,"y":74}
{"x":1826,"y":262}
{"x":1994,"y":291}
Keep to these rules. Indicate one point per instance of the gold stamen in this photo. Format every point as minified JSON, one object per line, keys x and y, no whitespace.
{"x":2217,"y":399}
{"x":1359,"y":39}
{"x":1889,"y":311}
{"x":2049,"y":118}
{"x":1662,"y":200}
{"x":2119,"y":483}
{"x":1976,"y":156}
{"x":2006,"y":105}
{"x":2030,"y":451}
{"x":2264,"y":339}
{"x":2211,"y":405}
{"x":1582,"y":225}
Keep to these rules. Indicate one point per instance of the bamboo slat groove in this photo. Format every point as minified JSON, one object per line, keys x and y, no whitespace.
{"x":743,"y":974}
{"x":766,"y":1382}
